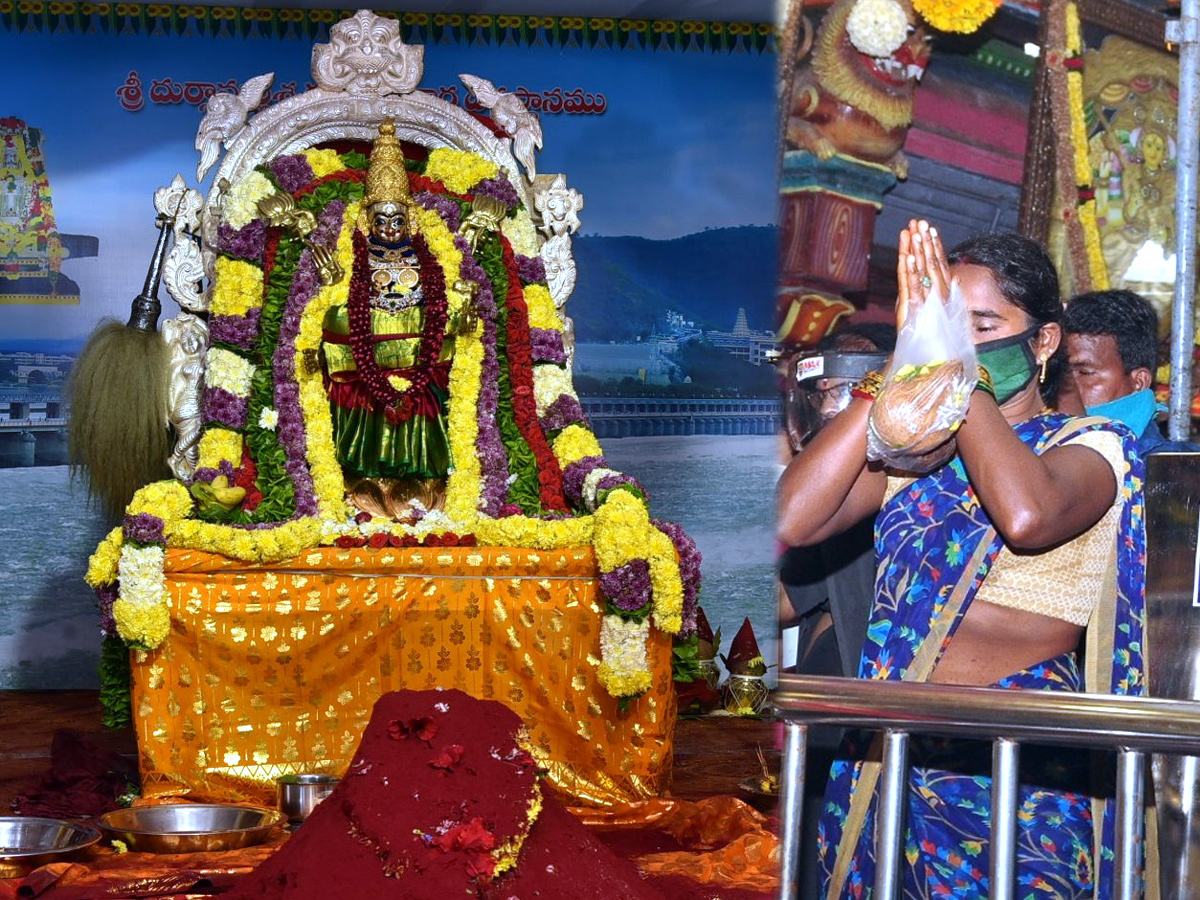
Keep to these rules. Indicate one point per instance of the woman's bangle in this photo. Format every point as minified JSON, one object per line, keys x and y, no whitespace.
{"x":985,"y":383}
{"x":868,"y":387}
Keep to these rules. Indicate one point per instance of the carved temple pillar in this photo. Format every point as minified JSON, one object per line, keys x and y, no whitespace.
{"x":828,"y":223}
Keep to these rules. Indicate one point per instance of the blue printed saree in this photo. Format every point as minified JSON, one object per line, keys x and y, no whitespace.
{"x":935,"y":546}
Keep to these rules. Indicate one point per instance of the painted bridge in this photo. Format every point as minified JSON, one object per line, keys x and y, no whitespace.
{"x":652,"y":416}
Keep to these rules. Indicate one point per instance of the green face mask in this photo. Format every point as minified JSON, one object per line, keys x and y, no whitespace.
{"x":1010,"y":362}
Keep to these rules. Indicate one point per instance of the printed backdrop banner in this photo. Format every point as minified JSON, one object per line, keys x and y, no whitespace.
{"x":666,"y":129}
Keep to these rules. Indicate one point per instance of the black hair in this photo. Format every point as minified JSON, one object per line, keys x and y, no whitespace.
{"x":1026,"y":278}
{"x":1124,"y":315}
{"x":863,"y":336}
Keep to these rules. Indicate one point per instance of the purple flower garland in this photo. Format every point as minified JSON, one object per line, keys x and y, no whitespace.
{"x":290,"y":429}
{"x":493,"y":459}
{"x":627,"y":587}
{"x":499,"y":189}
{"x":444,"y":206}
{"x":292,"y":172}
{"x":240,"y":331}
{"x":564,"y":411}
{"x":246,"y":243}
{"x":546,"y":345}
{"x":575,"y":474}
{"x":531,"y":269}
{"x":219,"y":407}
{"x":690,"y":559}
{"x":144,"y":528}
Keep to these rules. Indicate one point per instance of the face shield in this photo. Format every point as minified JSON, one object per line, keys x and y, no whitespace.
{"x":818,"y":388}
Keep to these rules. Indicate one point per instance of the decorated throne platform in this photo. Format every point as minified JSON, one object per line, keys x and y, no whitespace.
{"x":265,"y":595}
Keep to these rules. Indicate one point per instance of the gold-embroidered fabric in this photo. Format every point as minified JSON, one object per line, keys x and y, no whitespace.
{"x":274,"y":669}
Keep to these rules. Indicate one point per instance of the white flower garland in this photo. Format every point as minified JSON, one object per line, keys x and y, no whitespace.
{"x":229,"y":372}
{"x":877,"y":27}
{"x":549,"y":383}
{"x":591,"y":484}
{"x":140,"y":572}
{"x":241,"y":206}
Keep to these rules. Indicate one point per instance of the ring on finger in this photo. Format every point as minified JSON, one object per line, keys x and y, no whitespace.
{"x":926,"y":281}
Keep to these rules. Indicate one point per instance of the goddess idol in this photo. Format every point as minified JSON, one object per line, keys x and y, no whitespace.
{"x":387,"y":352}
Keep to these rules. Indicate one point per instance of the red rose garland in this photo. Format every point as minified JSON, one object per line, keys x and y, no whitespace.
{"x":520,"y":373}
{"x":398,"y":406}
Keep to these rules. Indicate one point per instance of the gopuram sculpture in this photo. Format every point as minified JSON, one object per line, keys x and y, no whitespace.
{"x":388,"y":480}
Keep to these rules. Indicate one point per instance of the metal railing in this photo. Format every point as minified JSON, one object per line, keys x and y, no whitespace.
{"x":1131,"y":726}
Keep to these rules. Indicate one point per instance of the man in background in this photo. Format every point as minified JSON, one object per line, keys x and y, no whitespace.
{"x":828,"y":590}
{"x":1112,"y":355}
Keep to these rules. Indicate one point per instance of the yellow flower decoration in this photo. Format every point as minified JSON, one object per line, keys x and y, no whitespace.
{"x":536,"y":534}
{"x":324,"y":162}
{"x":464,"y":485}
{"x":959,"y":16}
{"x":1084,"y":176}
{"x":169,"y":500}
{"x":433,"y":228}
{"x":238,"y":287}
{"x":102,"y":565}
{"x":146,"y":625}
{"x":459,"y":170}
{"x":218,"y":445}
{"x":542,"y":312}
{"x":322,"y":458}
{"x":574,"y":443}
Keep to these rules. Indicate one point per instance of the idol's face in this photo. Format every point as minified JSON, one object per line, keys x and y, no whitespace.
{"x":389,"y":222}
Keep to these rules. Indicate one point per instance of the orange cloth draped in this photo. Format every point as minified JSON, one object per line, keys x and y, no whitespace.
{"x":274,"y":669}
{"x":722,"y":840}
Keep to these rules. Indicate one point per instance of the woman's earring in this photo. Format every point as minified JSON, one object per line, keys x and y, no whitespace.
{"x":1042,"y":373}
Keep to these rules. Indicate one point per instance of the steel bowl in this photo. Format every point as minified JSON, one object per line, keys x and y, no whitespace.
{"x":298,"y":795}
{"x":189,"y":827}
{"x":27,"y":842}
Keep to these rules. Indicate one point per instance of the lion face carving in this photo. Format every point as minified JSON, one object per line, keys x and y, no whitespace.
{"x":850,"y":102}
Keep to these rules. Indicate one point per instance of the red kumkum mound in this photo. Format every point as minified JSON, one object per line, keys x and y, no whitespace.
{"x":439,"y":796}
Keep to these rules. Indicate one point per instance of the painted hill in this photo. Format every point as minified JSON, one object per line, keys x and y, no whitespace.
{"x":625,"y":283}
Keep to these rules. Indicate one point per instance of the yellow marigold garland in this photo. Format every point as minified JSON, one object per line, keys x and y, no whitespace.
{"x":237,"y":287}
{"x":464,"y":485}
{"x":574,"y":443}
{"x":219,"y":445}
{"x":324,"y":162}
{"x":542,"y":312}
{"x":169,"y":500}
{"x":1084,"y":176}
{"x":102,"y":564}
{"x":958,"y":16}
{"x":624,"y":533}
{"x":459,"y":170}
{"x":144,"y":625}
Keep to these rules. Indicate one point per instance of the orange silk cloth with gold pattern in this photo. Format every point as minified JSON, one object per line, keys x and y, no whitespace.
{"x":274,"y":669}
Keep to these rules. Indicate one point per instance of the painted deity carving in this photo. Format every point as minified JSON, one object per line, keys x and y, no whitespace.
{"x":850,"y":102}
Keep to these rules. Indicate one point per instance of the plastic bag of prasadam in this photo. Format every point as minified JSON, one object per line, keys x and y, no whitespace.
{"x":926,"y":387}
